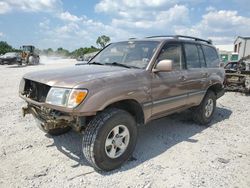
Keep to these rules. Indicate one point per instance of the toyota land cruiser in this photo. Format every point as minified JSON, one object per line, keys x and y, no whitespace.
{"x":125,"y":85}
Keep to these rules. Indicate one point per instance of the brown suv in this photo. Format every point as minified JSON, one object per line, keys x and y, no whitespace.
{"x":125,"y":85}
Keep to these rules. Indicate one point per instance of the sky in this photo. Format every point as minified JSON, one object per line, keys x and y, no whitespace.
{"x":77,"y":23}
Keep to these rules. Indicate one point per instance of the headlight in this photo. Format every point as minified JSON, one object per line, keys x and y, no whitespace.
{"x":66,"y":97}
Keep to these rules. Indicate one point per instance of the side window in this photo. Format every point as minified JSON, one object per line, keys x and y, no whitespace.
{"x":201,"y":55}
{"x":211,"y":55}
{"x":192,"y":56}
{"x":172,"y":52}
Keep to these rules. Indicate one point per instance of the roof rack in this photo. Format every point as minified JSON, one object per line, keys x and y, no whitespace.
{"x":181,"y":36}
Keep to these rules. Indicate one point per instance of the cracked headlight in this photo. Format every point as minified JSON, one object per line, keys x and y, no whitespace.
{"x":66,"y":97}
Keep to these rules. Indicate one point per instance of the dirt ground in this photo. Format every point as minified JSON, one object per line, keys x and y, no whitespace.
{"x":171,"y":152}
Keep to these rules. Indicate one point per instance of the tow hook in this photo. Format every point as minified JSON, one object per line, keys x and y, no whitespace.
{"x":25,"y":111}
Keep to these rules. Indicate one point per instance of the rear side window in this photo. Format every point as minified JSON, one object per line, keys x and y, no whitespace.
{"x":172,"y":52}
{"x":192,"y":56}
{"x":212,"y":58}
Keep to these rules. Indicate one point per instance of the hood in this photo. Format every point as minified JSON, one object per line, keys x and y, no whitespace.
{"x":8,"y":56}
{"x":73,"y":76}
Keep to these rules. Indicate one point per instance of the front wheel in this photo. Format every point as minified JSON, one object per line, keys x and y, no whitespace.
{"x":109,"y":139}
{"x":203,"y":113}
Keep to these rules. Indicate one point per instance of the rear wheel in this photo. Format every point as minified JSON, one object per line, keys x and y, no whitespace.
{"x":203,"y":113}
{"x":110,"y":139}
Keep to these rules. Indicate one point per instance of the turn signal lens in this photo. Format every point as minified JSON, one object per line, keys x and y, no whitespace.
{"x":76,"y":97}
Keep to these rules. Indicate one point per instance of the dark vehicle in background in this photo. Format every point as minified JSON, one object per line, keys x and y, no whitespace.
{"x":10,"y":58}
{"x":237,"y":76}
{"x":29,"y":56}
{"x":127,"y":84}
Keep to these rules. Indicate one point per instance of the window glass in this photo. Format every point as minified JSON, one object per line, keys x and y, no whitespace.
{"x":172,"y":52}
{"x":130,"y":53}
{"x":211,"y":56}
{"x":192,"y":56}
{"x":201,"y":55}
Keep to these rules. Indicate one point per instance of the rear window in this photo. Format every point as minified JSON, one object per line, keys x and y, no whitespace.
{"x":211,"y":56}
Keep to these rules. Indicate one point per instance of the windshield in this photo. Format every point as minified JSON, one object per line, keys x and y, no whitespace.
{"x":27,"y":48}
{"x":231,"y":65}
{"x":135,"y":54}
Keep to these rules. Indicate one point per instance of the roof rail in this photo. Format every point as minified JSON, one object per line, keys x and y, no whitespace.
{"x":181,"y":36}
{"x":163,"y":36}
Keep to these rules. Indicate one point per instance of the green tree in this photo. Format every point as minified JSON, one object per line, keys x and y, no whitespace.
{"x":48,"y":51}
{"x":62,"y":52}
{"x":102,"y":40}
{"x":5,"y":47}
{"x":82,"y":51}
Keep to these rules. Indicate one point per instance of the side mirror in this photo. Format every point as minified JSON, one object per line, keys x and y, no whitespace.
{"x":163,"y":66}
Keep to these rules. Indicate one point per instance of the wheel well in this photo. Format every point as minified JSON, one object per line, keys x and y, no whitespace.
{"x":131,"y":106}
{"x":215,"y":88}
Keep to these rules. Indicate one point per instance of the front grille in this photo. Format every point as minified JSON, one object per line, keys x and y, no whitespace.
{"x":35,"y":90}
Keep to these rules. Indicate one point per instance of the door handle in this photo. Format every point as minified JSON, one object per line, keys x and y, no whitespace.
{"x":182,"y":78}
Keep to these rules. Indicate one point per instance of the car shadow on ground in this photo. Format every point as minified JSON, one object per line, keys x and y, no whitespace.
{"x":154,"y":139}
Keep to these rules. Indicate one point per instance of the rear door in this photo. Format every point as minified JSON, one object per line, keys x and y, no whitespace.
{"x":196,"y":74}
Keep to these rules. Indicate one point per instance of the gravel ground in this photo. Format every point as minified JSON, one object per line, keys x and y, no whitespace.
{"x":171,"y":152}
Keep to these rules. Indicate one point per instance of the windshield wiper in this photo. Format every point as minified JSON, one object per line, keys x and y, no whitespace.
{"x":95,"y":63}
{"x":118,"y":64}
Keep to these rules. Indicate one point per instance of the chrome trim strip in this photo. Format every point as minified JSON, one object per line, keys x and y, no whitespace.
{"x":170,"y":99}
{"x":197,"y":93}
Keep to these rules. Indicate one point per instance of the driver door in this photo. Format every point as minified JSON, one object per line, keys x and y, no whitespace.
{"x":169,"y":88}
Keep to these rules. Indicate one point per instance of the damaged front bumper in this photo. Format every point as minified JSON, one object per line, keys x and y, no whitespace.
{"x":48,"y":119}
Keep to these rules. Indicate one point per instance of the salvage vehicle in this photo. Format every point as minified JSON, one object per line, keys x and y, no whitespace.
{"x":237,"y":76}
{"x":127,"y":84}
{"x":10,"y":58}
{"x":29,"y":56}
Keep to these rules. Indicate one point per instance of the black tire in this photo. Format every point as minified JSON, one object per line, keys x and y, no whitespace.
{"x":97,"y":131}
{"x":56,"y":131}
{"x":199,"y":115}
